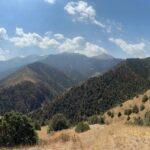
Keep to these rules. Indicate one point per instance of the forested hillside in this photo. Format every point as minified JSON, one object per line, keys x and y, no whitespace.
{"x":101,"y":93}
{"x":30,"y":86}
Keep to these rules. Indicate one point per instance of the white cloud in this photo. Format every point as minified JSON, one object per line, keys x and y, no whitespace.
{"x":57,"y":42}
{"x":59,"y":36}
{"x":3,"y":54}
{"x":136,"y":49}
{"x":50,"y":1}
{"x":80,"y":45}
{"x":81,"y":11}
{"x":3,"y":33}
{"x":23,"y":39}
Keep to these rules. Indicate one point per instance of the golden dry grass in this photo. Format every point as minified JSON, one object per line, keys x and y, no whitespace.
{"x":101,"y":137}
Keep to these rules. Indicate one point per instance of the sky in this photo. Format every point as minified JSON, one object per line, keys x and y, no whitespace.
{"x":89,"y":27}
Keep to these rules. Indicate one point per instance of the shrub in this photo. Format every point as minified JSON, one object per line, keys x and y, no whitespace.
{"x":58,"y":122}
{"x":138,"y":121}
{"x":111,"y":114}
{"x":145,"y":98}
{"x":135,"y":109}
{"x":128,"y":118}
{"x":95,"y":120}
{"x":17,"y":129}
{"x":119,"y":114}
{"x":82,"y":127}
{"x":142,"y":107}
{"x":128,"y":112}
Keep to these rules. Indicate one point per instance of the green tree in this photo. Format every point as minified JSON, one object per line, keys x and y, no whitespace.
{"x":82,"y":127}
{"x":17,"y":129}
{"x":58,"y":122}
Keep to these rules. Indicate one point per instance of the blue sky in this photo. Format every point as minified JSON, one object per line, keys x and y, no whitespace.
{"x":90,"y":27}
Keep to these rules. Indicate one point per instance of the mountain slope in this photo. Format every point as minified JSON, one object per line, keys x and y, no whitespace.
{"x":101,"y":93}
{"x":80,"y":67}
{"x":10,"y":66}
{"x":30,"y":86}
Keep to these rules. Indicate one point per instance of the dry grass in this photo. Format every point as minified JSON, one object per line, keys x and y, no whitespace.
{"x":100,"y":137}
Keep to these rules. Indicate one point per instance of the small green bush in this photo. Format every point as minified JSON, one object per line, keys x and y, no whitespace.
{"x":145,"y":98}
{"x":128,"y":112}
{"x":82,"y":127}
{"x":58,"y":122}
{"x":142,"y":107}
{"x":135,"y":109}
{"x":95,"y":120}
{"x":17,"y":129}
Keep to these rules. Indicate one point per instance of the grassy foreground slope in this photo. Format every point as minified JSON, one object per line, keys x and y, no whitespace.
{"x":100,"y":137}
{"x":101,"y":93}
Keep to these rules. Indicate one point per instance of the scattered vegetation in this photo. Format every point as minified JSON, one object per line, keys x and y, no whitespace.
{"x":111,"y":114}
{"x":143,"y":122}
{"x":82,"y":127}
{"x":119,"y":114}
{"x":58,"y":122}
{"x":145,"y":98}
{"x":17,"y":129}
{"x":142,"y":107}
{"x":128,"y":112}
{"x":135,"y":109}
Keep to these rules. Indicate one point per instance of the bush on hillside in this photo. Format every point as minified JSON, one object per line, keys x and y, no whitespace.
{"x":58,"y":122}
{"x":82,"y":127}
{"x":145,"y":98}
{"x":119,"y":114}
{"x":138,"y":121}
{"x":142,"y":107}
{"x":135,"y":109}
{"x":95,"y":120}
{"x":111,"y":114}
{"x":17,"y":129}
{"x":128,"y":118}
{"x":127,"y":112}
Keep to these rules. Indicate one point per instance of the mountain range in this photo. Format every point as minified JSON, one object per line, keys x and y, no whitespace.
{"x":98,"y":94}
{"x":28,"y":85}
{"x":72,"y":84}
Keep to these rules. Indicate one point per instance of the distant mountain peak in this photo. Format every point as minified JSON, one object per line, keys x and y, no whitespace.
{"x":104,"y":56}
